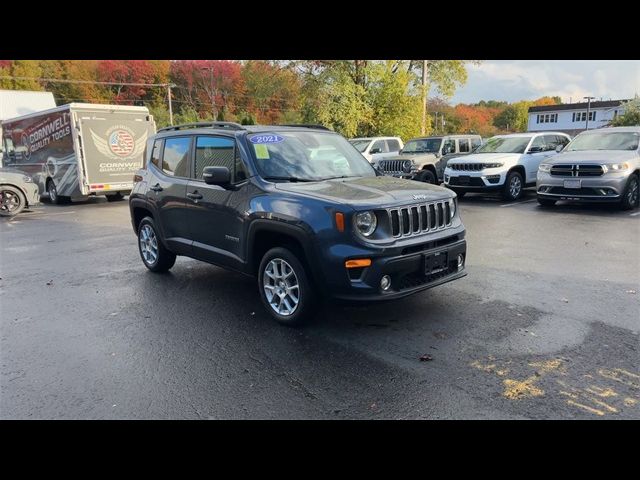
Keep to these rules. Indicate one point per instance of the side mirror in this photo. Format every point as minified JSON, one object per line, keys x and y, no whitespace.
{"x":535,"y":149}
{"x":375,"y":150}
{"x":559,"y":148}
{"x":216,"y":176}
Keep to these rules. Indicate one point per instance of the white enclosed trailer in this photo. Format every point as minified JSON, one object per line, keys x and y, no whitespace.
{"x":79,"y":149}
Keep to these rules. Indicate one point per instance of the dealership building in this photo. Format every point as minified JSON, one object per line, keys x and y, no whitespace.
{"x":572,"y":118}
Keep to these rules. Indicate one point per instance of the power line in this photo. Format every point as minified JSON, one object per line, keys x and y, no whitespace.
{"x":60,"y":80}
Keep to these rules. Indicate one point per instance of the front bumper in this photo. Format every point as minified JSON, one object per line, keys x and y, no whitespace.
{"x":32,"y":192}
{"x":406,"y":266}
{"x":606,"y":188}
{"x":480,"y":181}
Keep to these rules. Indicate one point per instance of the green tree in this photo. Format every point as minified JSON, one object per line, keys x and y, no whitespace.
{"x":514,"y":118}
{"x":631,"y":116}
{"x":22,"y":68}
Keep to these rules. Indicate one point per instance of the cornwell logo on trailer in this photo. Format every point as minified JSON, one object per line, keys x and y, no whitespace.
{"x":120,"y":144}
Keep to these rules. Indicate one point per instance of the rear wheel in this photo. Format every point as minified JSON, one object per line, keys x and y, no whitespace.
{"x":545,"y":202}
{"x":513,"y":186}
{"x":426,"y":176}
{"x":154,"y":255}
{"x":12,"y":201}
{"x":631,"y":196}
{"x":285,"y":289}
{"x":115,"y":197}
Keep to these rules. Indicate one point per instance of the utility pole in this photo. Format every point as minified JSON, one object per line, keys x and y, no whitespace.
{"x":586,"y":126}
{"x":435,"y":130}
{"x":169,"y":85}
{"x":423,"y":128}
{"x":213,"y":94}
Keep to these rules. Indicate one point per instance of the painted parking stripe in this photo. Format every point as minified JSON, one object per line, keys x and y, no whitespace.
{"x":519,"y":203}
{"x":32,"y":214}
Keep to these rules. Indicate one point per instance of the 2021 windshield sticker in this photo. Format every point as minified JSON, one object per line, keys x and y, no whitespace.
{"x":269,"y":138}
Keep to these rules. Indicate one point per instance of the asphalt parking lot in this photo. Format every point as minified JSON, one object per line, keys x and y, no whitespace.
{"x":546,"y":325}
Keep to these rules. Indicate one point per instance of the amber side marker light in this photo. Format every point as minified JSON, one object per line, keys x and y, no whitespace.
{"x":359,"y":263}
{"x":340,"y":221}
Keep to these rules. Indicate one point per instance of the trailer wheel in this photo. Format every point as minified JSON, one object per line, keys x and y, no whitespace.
{"x":53,"y":194}
{"x":115,"y":197}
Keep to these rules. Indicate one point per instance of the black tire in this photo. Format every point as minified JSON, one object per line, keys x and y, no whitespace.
{"x":54,"y":198}
{"x":631,"y":195}
{"x":304,"y":309}
{"x":12,"y":201}
{"x":164,"y":259}
{"x":115,"y":197}
{"x":426,"y":176}
{"x":546,"y":202}
{"x":513,"y":186}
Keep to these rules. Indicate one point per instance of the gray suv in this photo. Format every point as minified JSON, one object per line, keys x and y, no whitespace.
{"x":424,"y":159}
{"x":600,"y":165}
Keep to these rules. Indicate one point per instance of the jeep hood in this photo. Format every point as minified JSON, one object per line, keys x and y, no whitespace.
{"x":373,"y":192}
{"x":591,"y":156}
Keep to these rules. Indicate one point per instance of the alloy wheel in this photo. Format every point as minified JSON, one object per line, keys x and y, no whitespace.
{"x":9,"y":201}
{"x":281,"y":287}
{"x":515,"y":185}
{"x":148,"y":245}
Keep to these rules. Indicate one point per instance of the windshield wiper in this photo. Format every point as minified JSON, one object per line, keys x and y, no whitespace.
{"x":340,"y":176}
{"x":290,"y":179}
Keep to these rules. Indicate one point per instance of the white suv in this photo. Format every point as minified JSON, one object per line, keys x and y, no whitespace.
{"x":375,"y":149}
{"x":505,"y":163}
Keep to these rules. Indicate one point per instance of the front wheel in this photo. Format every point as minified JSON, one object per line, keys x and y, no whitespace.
{"x":12,"y":201}
{"x":426,"y":176}
{"x":154,"y":255}
{"x":285,"y":289}
{"x":630,"y":197}
{"x":513,"y":186}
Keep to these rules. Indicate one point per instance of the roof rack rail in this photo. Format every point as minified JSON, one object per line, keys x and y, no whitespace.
{"x":304,"y":125}
{"x":184,"y":126}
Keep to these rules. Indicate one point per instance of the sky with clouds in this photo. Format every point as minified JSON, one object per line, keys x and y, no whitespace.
{"x":513,"y":80}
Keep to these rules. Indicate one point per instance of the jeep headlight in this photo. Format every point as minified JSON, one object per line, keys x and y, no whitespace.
{"x":26,"y":179}
{"x":407,"y":166}
{"x":544,"y":167}
{"x":493,"y":165}
{"x":616,"y":167}
{"x":366,"y":223}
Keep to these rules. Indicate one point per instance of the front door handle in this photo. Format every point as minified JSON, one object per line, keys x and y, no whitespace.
{"x":156,"y":188}
{"x":194,"y":195}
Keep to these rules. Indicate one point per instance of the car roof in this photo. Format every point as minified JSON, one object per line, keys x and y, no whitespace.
{"x":612,"y":130}
{"x":230,"y":127}
{"x":457,"y":135}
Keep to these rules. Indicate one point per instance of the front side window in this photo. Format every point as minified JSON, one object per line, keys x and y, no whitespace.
{"x":306,"y":156}
{"x":214,"y":152}
{"x":475,"y":143}
{"x":463,"y":145}
{"x":505,"y":145}
{"x":360,"y":145}
{"x":380,"y":146}
{"x":551,"y":142}
{"x":175,"y":158}
{"x":393,"y":145}
{"x":449,"y":146}
{"x":605,"y":141}
{"x":538,"y":145}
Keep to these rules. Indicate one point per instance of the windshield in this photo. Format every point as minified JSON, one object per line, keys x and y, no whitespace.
{"x":504,"y":145}
{"x":306,"y":156}
{"x":430,"y":145}
{"x":605,"y":141}
{"x":360,"y":145}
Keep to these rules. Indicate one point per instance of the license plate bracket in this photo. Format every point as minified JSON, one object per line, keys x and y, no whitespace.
{"x":464,"y":180}
{"x":572,"y":183}
{"x":435,"y":262}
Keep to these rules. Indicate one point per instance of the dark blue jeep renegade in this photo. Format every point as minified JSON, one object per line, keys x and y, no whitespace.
{"x":299,"y":208}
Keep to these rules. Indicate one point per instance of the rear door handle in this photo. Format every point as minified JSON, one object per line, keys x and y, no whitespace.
{"x":195,"y":195}
{"x":156,"y":188}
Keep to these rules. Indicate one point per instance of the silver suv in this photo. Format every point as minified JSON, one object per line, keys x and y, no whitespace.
{"x":596,"y":166}
{"x":424,"y":159}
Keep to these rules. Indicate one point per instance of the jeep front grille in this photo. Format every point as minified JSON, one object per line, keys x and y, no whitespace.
{"x":391,"y":166}
{"x":418,"y":219}
{"x":576,"y":170}
{"x":467,"y":167}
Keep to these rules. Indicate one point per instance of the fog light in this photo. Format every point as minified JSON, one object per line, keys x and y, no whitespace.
{"x":460,"y":261}
{"x":385,"y":282}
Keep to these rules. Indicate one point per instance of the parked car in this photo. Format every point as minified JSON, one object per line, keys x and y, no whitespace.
{"x":375,"y":149}
{"x":505,"y":163}
{"x":296,"y":207}
{"x":600,"y":165}
{"x":17,"y":192}
{"x":424,"y":159}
